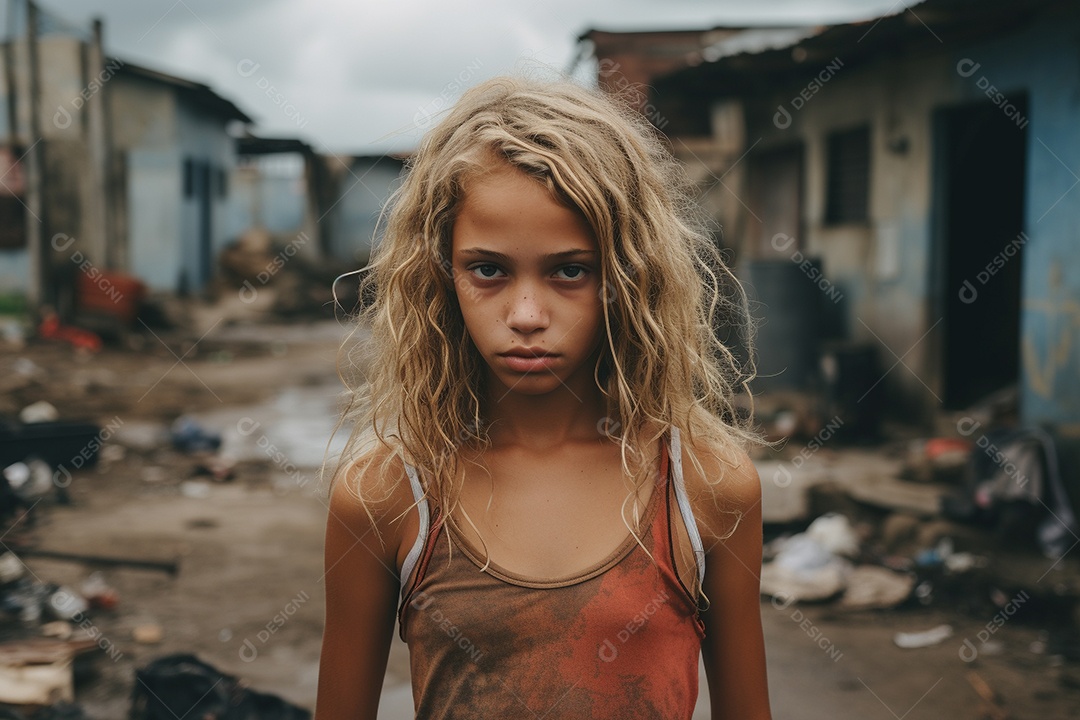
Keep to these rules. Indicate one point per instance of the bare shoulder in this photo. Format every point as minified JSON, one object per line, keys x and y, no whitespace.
{"x":723,"y":487}
{"x":372,"y":493}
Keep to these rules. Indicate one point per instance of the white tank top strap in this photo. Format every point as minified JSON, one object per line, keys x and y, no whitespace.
{"x":675,"y":455}
{"x":425,"y":522}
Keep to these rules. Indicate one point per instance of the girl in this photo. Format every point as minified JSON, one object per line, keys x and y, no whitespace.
{"x":547,"y":490}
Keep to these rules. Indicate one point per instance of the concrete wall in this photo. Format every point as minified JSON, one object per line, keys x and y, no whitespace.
{"x":203,"y":138}
{"x":269,"y":191}
{"x":156,"y":132}
{"x":1042,"y":59}
{"x":885,"y":268}
{"x":143,"y":114}
{"x":144,"y":135}
{"x":153,"y":191}
{"x":365,"y":191}
{"x":66,"y":92}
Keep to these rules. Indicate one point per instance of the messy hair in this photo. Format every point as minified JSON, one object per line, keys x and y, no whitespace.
{"x":665,"y":288}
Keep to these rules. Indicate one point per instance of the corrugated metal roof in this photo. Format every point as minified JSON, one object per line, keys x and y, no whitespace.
{"x":199,"y":93}
{"x":930,"y":23}
{"x":756,"y":40}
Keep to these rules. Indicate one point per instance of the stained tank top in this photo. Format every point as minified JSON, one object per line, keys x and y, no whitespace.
{"x":618,"y":640}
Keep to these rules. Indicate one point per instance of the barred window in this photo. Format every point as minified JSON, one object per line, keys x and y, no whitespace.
{"x":847,"y":196}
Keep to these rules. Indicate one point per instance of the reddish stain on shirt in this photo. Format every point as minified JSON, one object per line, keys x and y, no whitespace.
{"x":619,"y":640}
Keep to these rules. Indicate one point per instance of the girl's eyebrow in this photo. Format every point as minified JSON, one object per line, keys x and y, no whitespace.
{"x":483,"y":252}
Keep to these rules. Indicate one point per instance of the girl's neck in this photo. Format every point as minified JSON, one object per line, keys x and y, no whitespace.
{"x":542,"y":422}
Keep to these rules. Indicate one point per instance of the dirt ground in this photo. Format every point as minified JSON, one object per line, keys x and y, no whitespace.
{"x":248,"y":596}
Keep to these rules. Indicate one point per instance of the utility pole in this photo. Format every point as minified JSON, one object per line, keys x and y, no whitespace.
{"x":38,"y":290}
{"x":99,"y":242}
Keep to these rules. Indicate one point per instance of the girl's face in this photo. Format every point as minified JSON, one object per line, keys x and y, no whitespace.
{"x":527,"y":279}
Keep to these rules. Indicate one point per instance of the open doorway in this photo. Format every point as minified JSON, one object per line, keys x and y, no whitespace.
{"x":775,"y":195}
{"x":981,"y":162}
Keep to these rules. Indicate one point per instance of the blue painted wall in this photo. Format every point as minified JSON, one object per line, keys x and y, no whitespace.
{"x":887,"y":268}
{"x":1042,"y":59}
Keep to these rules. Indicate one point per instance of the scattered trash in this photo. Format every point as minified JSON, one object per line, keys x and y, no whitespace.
{"x":924,"y":591}
{"x":113,"y":453}
{"x":786,"y":423}
{"x":935,"y":556}
{"x":810,"y":566}
{"x":11,"y":568}
{"x":11,"y":330}
{"x":940,"y":460}
{"x":25,"y":598}
{"x":815,"y":586}
{"x":58,"y":629}
{"x":1016,"y":486}
{"x":28,"y":368}
{"x":803,"y":553}
{"x":37,"y":671}
{"x":898,"y":531}
{"x":74,"y":445}
{"x":141,"y":435}
{"x":98,"y":593}
{"x":834,"y":533}
{"x":190,"y":437}
{"x":219,"y":467}
{"x":990,"y":707}
{"x":169,"y":566}
{"x":870,"y":587}
{"x":148,"y":634}
{"x":66,"y":604}
{"x":197,"y":489}
{"x":804,"y":571}
{"x":964,"y":561}
{"x":926,"y":638}
{"x":31,"y":480}
{"x":52,"y":329}
{"x":120,"y":303}
{"x":41,"y":411}
{"x":154,"y":474}
{"x":36,"y":684}
{"x":947,"y":447}
{"x":184,"y":681}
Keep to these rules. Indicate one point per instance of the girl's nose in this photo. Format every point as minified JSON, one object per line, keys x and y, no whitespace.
{"x":527,"y":311}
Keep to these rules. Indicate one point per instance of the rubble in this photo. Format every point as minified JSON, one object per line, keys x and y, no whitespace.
{"x":38,"y":671}
{"x":184,"y":681}
{"x":190,"y":437}
{"x":148,"y":634}
{"x":41,"y":411}
{"x":872,"y":587}
{"x":926,"y":638}
{"x":817,"y":565}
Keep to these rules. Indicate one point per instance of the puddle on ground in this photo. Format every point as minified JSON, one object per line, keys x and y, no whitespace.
{"x":291,"y":431}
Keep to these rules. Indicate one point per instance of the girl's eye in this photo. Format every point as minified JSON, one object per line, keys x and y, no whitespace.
{"x":575,"y":272}
{"x":487,"y":272}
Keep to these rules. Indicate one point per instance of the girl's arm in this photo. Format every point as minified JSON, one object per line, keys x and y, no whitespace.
{"x":734,"y":647}
{"x":361,"y":601}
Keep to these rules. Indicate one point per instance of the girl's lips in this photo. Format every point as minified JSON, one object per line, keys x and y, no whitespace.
{"x":521,"y":363}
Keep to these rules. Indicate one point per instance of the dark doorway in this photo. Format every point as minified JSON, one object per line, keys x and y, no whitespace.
{"x":982,"y":157}
{"x":775,"y":185}
{"x":198,"y":250}
{"x":204,"y":199}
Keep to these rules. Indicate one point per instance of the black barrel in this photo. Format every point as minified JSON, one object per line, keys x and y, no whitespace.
{"x":786,"y":303}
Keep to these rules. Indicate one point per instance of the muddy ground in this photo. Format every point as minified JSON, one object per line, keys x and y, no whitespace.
{"x":248,"y":594}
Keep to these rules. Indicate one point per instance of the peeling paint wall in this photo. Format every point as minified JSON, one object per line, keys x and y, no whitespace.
{"x":888,"y":268}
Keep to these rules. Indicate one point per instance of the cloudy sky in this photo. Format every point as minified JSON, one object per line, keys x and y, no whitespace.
{"x":354,"y":77}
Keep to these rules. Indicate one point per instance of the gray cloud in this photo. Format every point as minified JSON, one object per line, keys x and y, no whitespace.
{"x":352,"y":77}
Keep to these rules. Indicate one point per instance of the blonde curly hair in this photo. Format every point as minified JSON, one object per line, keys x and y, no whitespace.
{"x":666,"y":288}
